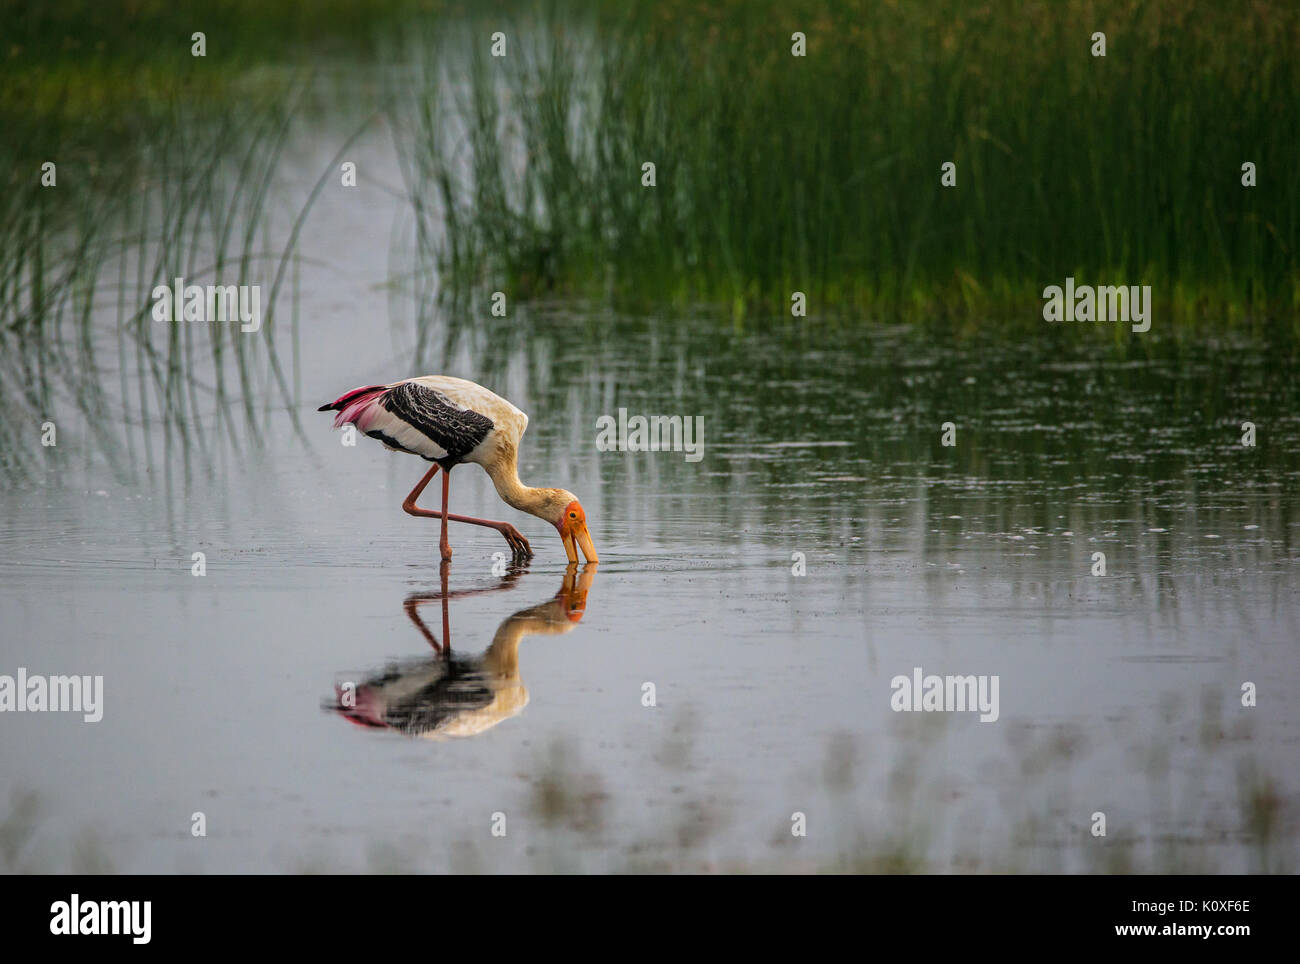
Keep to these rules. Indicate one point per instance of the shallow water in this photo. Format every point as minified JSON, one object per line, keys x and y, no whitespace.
{"x":1118,"y":693}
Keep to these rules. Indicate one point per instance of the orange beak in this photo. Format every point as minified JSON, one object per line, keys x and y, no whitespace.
{"x":576,"y":536}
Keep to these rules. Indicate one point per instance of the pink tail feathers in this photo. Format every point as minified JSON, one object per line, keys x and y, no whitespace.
{"x":356,"y":406}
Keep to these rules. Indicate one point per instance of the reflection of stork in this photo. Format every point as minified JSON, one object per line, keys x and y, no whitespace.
{"x":455,"y":696}
{"x":447,"y":421}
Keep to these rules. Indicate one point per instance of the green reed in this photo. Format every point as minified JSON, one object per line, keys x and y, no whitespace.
{"x":821,"y":174}
{"x":188,"y":197}
{"x":166,"y":167}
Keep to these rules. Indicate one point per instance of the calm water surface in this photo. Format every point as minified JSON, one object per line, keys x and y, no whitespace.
{"x":1118,"y":694}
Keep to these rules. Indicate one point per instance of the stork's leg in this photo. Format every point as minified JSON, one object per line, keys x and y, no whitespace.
{"x":409,"y":504}
{"x":411,"y":605}
{"x":518,"y":544}
{"x":446,"y":621}
{"x":417,"y":599}
{"x":443,"y":544}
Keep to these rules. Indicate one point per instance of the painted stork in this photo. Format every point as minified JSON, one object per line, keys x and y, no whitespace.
{"x":446,"y":421}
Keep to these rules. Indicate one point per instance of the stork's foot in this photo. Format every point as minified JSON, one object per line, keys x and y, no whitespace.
{"x":518,"y":544}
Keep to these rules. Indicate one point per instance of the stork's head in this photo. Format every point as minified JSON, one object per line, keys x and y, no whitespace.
{"x":572,"y":526}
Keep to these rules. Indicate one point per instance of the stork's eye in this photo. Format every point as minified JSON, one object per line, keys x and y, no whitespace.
{"x":573,"y":515}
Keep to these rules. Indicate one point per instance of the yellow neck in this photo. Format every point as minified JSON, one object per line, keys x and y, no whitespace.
{"x":525,"y":498}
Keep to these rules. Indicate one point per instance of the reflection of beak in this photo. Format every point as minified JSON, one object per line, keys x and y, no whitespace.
{"x":573,"y":591}
{"x":575,"y":604}
{"x":579,"y":537}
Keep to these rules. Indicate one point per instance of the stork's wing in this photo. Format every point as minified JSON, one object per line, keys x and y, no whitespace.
{"x":414,"y":418}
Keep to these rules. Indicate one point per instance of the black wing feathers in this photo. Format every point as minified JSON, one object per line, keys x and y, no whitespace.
{"x":457,"y":430}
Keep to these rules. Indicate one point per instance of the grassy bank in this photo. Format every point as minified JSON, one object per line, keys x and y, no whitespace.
{"x":821,"y":174}
{"x":85,"y":59}
{"x":774,"y":173}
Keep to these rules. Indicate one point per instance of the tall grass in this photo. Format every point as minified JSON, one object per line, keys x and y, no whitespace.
{"x":821,"y":174}
{"x":78,"y":263}
{"x":166,"y":167}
